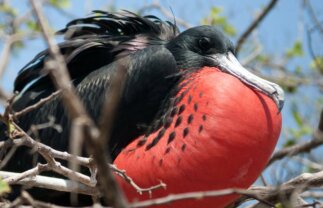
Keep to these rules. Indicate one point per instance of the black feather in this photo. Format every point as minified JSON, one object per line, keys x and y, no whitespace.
{"x":102,"y":37}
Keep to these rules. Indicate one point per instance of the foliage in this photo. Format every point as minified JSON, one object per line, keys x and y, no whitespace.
{"x":296,"y":50}
{"x":4,"y":187}
{"x":216,"y":17}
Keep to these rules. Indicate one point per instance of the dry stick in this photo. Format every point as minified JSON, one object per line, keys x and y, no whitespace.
{"x":300,"y":148}
{"x":311,"y":51}
{"x":166,"y":13}
{"x":111,"y":191}
{"x":198,"y":195}
{"x":26,"y":198}
{"x":299,"y":184}
{"x":8,"y":156}
{"x":129,"y":180}
{"x":75,"y":148}
{"x":314,"y":17}
{"x":262,"y":194}
{"x":4,"y":57}
{"x":102,"y":156}
{"x":254,"y":24}
{"x":28,"y":173}
{"x":54,"y":165}
{"x":36,"y":105}
{"x":3,"y":96}
{"x":46,"y":182}
{"x":112,"y":98}
{"x":84,"y":161}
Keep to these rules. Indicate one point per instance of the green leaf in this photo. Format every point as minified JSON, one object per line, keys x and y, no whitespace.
{"x":296,"y":50}
{"x":317,"y":64}
{"x":60,"y":3}
{"x":298,"y":70}
{"x":262,"y":58}
{"x":216,"y":17}
{"x":32,"y":25}
{"x":297,"y":117}
{"x":11,"y":128}
{"x":289,"y":142}
{"x":4,"y":187}
{"x":278,"y":205}
{"x":5,"y":8}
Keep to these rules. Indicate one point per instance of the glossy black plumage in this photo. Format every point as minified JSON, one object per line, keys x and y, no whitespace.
{"x":96,"y":41}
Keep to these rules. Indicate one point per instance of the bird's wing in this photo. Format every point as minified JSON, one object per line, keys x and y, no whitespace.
{"x":96,"y":41}
{"x":149,"y":80}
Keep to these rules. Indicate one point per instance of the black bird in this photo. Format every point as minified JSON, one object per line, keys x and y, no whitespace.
{"x":164,"y":68}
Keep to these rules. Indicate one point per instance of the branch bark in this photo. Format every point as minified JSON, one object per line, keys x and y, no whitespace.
{"x":254,"y":24}
{"x":300,"y":148}
{"x":58,"y":71}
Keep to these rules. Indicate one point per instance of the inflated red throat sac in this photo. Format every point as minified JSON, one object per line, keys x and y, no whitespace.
{"x":221,"y":135}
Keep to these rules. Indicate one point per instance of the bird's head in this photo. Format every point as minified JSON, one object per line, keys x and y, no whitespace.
{"x":208,"y":46}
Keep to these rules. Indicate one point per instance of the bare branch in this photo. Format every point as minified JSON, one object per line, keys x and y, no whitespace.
{"x":314,"y":17}
{"x":36,"y":105}
{"x":166,"y":13}
{"x":52,"y":183}
{"x":112,"y":192}
{"x":122,"y":173}
{"x":254,"y":24}
{"x":4,"y":57}
{"x":27,"y":199}
{"x":110,"y":105}
{"x":86,"y":162}
{"x":299,"y":184}
{"x":300,"y":148}
{"x":53,"y":164}
{"x":198,"y":195}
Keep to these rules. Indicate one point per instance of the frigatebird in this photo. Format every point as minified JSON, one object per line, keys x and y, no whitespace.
{"x":190,"y":115}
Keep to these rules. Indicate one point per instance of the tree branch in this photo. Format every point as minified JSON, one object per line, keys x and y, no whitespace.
{"x":166,"y":13}
{"x":300,"y":148}
{"x":36,"y":105}
{"x":197,"y":196}
{"x":52,"y":183}
{"x":58,"y":71}
{"x":254,"y":24}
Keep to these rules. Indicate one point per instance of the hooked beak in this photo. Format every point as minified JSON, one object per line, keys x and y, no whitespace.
{"x":229,"y":63}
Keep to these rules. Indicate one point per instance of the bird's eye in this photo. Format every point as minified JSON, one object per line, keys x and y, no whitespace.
{"x":205,"y":43}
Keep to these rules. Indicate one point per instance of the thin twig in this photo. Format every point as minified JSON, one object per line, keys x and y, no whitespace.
{"x":122,"y":173}
{"x":52,"y":183}
{"x":314,"y":17}
{"x":111,"y":192}
{"x":110,"y":106}
{"x":197,"y":195}
{"x":26,"y":198}
{"x":254,"y":24}
{"x":298,"y":184}
{"x":300,"y":148}
{"x":166,"y":13}
{"x":54,"y":165}
{"x":36,"y":105}
{"x":28,"y":173}
{"x":4,"y":57}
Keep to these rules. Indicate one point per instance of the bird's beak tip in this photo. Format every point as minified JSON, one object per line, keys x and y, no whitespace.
{"x":280,"y":106}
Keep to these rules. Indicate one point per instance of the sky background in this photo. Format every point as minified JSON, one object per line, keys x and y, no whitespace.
{"x":280,"y":29}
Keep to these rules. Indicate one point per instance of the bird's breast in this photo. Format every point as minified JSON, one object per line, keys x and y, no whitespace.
{"x":217,"y":134}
